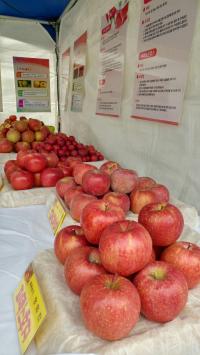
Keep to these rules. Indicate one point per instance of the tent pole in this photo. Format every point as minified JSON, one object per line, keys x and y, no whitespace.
{"x":12,"y":18}
{"x":56,"y":26}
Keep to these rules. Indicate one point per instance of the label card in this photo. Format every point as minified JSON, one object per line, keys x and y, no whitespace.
{"x":56,"y":215}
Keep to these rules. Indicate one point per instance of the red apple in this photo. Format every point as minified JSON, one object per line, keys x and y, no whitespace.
{"x":21,"y":125}
{"x":13,"y":135}
{"x":37,"y":180}
{"x":185,"y":256}
{"x":34,"y":124}
{"x":5,"y":146}
{"x":97,"y":216}
{"x":163,"y":291}
{"x":28,"y":136}
{"x":123,"y":180}
{"x":109,"y":166}
{"x":68,"y":239}
{"x":79,"y":170}
{"x":67,"y":170}
{"x":22,"y":156}
{"x":50,"y":176}
{"x":52,"y":159}
{"x":96,"y":182}
{"x":72,"y":161}
{"x":78,"y":203}
{"x":110,"y":306}
{"x":118,"y":199}
{"x":145,"y":182}
{"x":64,"y":184}
{"x":22,"y":180}
{"x":22,"y":146}
{"x":163,"y":221}
{"x":35,"y":162}
{"x":82,"y":265}
{"x":125,"y":247}
{"x":142,"y":197}
{"x":71,"y":193}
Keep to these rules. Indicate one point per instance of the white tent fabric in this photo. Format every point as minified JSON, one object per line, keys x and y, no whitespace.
{"x":167,"y":153}
{"x":25,"y":39}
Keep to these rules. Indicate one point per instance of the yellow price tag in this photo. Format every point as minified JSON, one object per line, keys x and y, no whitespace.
{"x":56,"y":216}
{"x":30,"y":309}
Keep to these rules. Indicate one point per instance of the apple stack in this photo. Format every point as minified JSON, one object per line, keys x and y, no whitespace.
{"x":119,"y":267}
{"x":26,"y":134}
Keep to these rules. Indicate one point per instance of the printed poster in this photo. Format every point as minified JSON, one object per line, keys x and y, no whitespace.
{"x":164,"y":43}
{"x":112,"y":49}
{"x":1,"y":102}
{"x":32,"y":84}
{"x":64,"y":88}
{"x":79,"y":68}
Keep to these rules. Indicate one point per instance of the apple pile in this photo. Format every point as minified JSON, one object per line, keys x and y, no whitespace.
{"x":26,"y":134}
{"x":121,"y":268}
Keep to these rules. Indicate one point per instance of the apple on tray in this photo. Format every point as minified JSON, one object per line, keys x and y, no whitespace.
{"x":163,"y":291}
{"x":96,"y":182}
{"x":64,"y":184}
{"x":78,"y":203}
{"x":82,"y":265}
{"x":70,"y":193}
{"x":98,"y":215}
{"x":118,"y":199}
{"x":123,"y":180}
{"x":50,"y":176}
{"x":109,"y":166}
{"x":125,"y":247}
{"x":79,"y":170}
{"x":68,"y":239}
{"x":185,"y":256}
{"x":141,"y":197}
{"x":164,"y":222}
{"x":110,"y":306}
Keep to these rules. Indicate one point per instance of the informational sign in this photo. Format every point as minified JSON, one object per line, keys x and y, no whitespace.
{"x":64,"y":76}
{"x":30,"y":310}
{"x":56,"y":215}
{"x":164,"y":43}
{"x":1,"y":102}
{"x":32,"y":84}
{"x":112,"y":49}
{"x":79,"y":68}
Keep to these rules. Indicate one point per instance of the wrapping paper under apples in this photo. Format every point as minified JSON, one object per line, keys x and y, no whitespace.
{"x":131,"y":277}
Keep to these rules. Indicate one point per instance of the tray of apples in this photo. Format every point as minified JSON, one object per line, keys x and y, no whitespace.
{"x":131,"y":260}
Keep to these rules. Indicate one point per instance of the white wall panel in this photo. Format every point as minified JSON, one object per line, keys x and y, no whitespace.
{"x":168,"y":153}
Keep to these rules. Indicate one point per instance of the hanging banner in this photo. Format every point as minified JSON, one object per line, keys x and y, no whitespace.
{"x":79,"y":68}
{"x":64,"y":75}
{"x":1,"y":102}
{"x":32,"y":84}
{"x":112,"y":49}
{"x":164,"y":43}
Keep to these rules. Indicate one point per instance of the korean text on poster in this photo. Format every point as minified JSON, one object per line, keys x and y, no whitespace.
{"x":32,"y":84}
{"x":112,"y":49}
{"x":164,"y":42}
{"x":79,"y":68}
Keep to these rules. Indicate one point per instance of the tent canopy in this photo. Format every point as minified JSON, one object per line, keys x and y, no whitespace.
{"x":37,"y":9}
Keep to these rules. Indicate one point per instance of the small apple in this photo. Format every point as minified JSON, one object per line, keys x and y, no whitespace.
{"x":52,"y":159}
{"x":28,"y":136}
{"x":50,"y":176}
{"x":118,"y":199}
{"x":110,"y":306}
{"x":78,"y":203}
{"x":185,"y":256}
{"x":109,"y":166}
{"x":163,"y":291}
{"x":142,"y":197}
{"x":68,"y":239}
{"x":22,"y":146}
{"x":96,"y":182}
{"x":124,"y":180}
{"x":163,"y":221}
{"x":79,"y":170}
{"x":21,"y":125}
{"x":5,"y":146}
{"x":71,"y":193}
{"x":98,"y":215}
{"x":64,"y":184}
{"x":125,"y":247}
{"x":82,"y":265}
{"x":34,"y":124}
{"x":13,"y":135}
